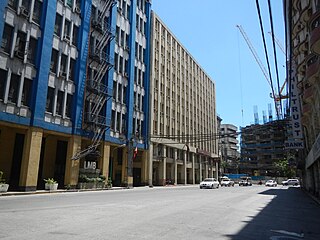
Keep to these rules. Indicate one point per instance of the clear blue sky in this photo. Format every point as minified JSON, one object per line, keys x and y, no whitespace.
{"x":207,"y":29}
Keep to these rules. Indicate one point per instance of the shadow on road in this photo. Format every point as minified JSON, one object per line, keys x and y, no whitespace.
{"x":291,"y":214}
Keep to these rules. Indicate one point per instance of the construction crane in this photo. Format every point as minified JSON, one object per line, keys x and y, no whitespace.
{"x":253,"y":51}
{"x":278,"y":43}
{"x":277,"y":98}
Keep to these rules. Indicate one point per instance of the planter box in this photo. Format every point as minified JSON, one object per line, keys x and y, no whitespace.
{"x":51,"y":187}
{"x":4,"y":187}
{"x":90,"y":185}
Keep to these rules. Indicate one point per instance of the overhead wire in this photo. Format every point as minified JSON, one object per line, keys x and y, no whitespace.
{"x":275,"y":53}
{"x":267,"y":57}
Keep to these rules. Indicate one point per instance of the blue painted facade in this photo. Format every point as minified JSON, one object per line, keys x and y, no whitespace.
{"x":81,"y":67}
{"x":43,"y":61}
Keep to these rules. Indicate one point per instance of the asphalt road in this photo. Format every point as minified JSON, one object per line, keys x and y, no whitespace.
{"x":184,"y":212}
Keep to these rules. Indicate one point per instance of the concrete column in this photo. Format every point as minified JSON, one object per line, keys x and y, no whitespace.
{"x":104,"y":160}
{"x":163,"y":173}
{"x":184,"y":173}
{"x":144,"y":168}
{"x":72,"y":166}
{"x":217,"y":170}
{"x":200,"y":168}
{"x":31,"y":159}
{"x":175,"y":167}
{"x":150,"y":164}
{"x":193,"y":170}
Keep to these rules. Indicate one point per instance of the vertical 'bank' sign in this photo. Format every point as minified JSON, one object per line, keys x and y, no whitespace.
{"x":295,"y":109}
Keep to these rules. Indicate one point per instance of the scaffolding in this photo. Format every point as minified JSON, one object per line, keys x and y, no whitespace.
{"x":97,"y":91}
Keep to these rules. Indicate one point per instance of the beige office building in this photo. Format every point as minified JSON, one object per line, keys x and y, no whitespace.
{"x":183,"y":122}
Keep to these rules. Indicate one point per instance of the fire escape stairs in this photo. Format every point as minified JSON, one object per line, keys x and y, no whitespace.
{"x":97,"y":92}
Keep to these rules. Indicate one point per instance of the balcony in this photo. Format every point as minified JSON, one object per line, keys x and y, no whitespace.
{"x":312,"y":68}
{"x":315,"y":33}
{"x":308,"y":94}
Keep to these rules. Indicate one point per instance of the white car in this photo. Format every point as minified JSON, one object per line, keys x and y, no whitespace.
{"x":209,"y":183}
{"x":291,"y":182}
{"x":271,"y":183}
{"x":225,"y":181}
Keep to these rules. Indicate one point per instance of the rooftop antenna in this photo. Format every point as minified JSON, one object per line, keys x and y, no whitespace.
{"x":256,"y":116}
{"x":264,"y":116}
{"x":270,"y":112}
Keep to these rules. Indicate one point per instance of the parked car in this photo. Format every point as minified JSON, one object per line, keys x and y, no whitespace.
{"x":291,"y":182}
{"x":271,"y":183}
{"x":245,"y":181}
{"x":226,"y":182}
{"x":209,"y":183}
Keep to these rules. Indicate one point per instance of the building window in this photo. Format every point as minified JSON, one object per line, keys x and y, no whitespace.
{"x":63,"y":66}
{"x":26,"y":93}
{"x":54,"y":61}
{"x":7,"y":38}
{"x":14,"y":88}
{"x":37,"y":11}
{"x":67,"y":27}
{"x":32,"y":50}
{"x":59,"y":106}
{"x":20,"y":46}
{"x":113,"y":116}
{"x":50,"y":100}
{"x":57,"y":25}
{"x":69,"y":3}
{"x":13,"y":4}
{"x":75,"y":35}
{"x":3,"y":80}
{"x":71,"y":69}
{"x":118,"y":121}
{"x":69,"y":106}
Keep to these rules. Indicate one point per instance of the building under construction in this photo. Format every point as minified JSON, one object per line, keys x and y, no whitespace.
{"x":261,"y":147}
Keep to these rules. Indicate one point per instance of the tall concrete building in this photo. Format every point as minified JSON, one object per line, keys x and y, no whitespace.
{"x":262,"y":146}
{"x":229,"y":148}
{"x":73,"y":90}
{"x":303,"y":43}
{"x":183,"y":122}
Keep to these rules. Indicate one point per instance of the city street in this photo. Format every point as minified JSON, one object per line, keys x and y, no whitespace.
{"x":182,"y":212}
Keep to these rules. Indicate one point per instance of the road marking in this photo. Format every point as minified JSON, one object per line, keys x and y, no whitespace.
{"x":293,"y":234}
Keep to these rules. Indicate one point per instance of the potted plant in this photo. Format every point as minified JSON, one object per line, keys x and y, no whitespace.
{"x":51,"y":184}
{"x":109,"y":183}
{"x":3,"y":186}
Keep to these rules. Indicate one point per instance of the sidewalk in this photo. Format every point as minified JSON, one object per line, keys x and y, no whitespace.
{"x":58,"y":191}
{"x":12,"y":193}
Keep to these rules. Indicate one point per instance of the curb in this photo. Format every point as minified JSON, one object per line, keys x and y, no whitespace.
{"x":314,"y":198}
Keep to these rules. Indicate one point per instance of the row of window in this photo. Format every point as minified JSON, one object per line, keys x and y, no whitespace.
{"x":66,"y":67}
{"x":59,"y":102}
{"x":18,"y":44}
{"x":14,"y":88}
{"x":25,"y":7}
{"x":70,"y":30}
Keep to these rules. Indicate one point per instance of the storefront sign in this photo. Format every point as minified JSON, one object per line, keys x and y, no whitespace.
{"x":90,"y":165}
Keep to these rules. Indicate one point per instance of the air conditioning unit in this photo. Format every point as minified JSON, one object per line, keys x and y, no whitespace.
{"x":127,"y":48}
{"x":24,"y":12}
{"x":126,"y":74}
{"x":78,"y":10}
{"x":66,"y":38}
{"x":19,"y":54}
{"x":63,"y":74}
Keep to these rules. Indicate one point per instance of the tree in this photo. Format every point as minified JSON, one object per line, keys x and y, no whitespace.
{"x":282,"y":165}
